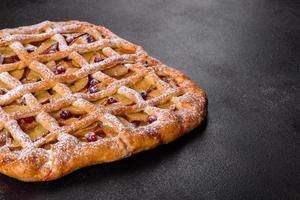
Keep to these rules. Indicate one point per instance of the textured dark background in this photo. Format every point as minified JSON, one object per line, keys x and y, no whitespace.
{"x":244,"y":54}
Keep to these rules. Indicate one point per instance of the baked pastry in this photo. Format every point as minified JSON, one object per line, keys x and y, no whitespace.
{"x":74,"y":94}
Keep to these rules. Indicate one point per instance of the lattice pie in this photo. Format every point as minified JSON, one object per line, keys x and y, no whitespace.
{"x":73,"y":94}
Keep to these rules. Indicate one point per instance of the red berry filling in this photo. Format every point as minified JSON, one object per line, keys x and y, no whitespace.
{"x":64,"y":114}
{"x":91,"y":137}
{"x":111,"y":100}
{"x":151,"y":119}
{"x":98,"y":59}
{"x":89,"y":38}
{"x":144,"y":95}
{"x":60,"y":70}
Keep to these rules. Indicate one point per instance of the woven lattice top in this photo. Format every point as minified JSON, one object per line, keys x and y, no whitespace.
{"x":74,"y":94}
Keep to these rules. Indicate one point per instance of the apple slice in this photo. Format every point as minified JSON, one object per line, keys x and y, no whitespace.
{"x":42,"y":96}
{"x":79,"y":40}
{"x":46,"y":46}
{"x":68,"y":121}
{"x":123,"y":99}
{"x":166,"y":105}
{"x":75,"y":111}
{"x":93,"y":128}
{"x":143,"y":85}
{"x":56,"y":95}
{"x":36,"y":132}
{"x":18,"y":74}
{"x":89,"y":55}
{"x":71,"y":70}
{"x":154,"y":93}
{"x":79,"y":85}
{"x":32,"y":76}
{"x":140,"y":116}
{"x":124,"y":121}
{"x":51,"y":65}
{"x":14,"y":108}
{"x":102,"y":101}
{"x":15,"y":145}
{"x":116,"y":71}
{"x":6,"y":51}
{"x":130,"y":73}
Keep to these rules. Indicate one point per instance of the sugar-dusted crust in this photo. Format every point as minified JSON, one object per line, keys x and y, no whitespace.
{"x":68,"y":153}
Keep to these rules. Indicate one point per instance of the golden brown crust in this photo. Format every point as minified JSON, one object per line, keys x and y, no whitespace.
{"x":34,"y":163}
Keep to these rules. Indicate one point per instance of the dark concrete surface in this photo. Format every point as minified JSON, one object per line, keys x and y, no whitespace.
{"x":244,"y":54}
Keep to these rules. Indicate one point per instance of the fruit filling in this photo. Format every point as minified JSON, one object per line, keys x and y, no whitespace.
{"x":59,"y":70}
{"x":137,"y":119}
{"x":77,"y":38}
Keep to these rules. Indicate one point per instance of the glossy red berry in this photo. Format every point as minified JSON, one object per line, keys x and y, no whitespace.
{"x":151,"y":119}
{"x":144,"y":94}
{"x":64,"y":114}
{"x":60,"y":70}
{"x":90,"y":38}
{"x":98,"y":59}
{"x":91,"y":138}
{"x":111,"y":100}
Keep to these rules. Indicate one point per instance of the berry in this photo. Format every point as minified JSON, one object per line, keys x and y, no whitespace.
{"x":60,"y":70}
{"x":98,"y":59}
{"x":111,"y":100}
{"x":93,"y":89}
{"x":64,"y":114}
{"x":144,"y":95}
{"x":89,"y":38}
{"x":151,"y":119}
{"x":91,"y":137}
